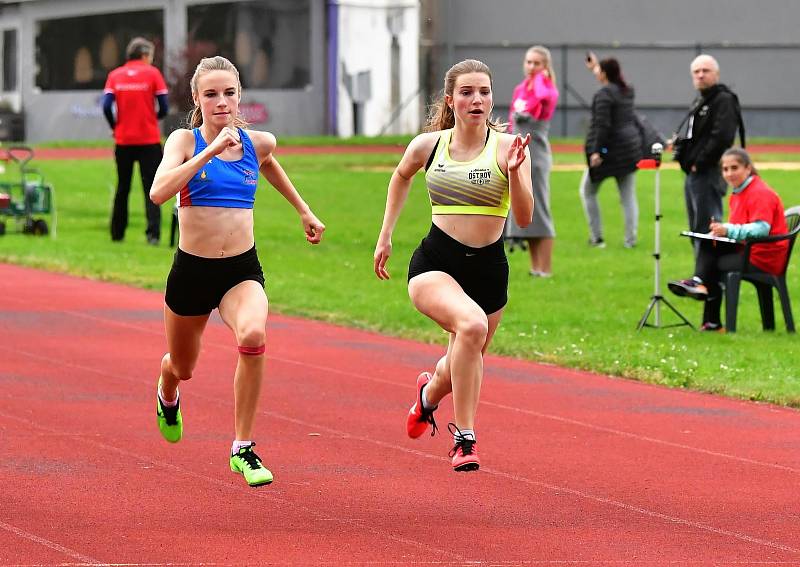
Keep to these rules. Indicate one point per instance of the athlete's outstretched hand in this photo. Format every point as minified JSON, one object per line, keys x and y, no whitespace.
{"x":382,"y":252}
{"x":516,"y":151}
{"x":313,"y":227}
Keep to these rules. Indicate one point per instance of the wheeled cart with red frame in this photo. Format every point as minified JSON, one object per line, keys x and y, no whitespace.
{"x":26,"y":200}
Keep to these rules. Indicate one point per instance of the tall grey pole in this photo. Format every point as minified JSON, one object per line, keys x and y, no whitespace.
{"x":657,"y":245}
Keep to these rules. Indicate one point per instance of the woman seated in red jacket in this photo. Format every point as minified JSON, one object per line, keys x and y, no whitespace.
{"x":756,"y":211}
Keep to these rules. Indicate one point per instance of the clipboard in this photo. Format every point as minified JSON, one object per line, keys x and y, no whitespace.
{"x":707,"y":236}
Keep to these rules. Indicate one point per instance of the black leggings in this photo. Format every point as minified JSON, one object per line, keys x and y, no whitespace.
{"x":481,"y":272}
{"x":713,"y":260}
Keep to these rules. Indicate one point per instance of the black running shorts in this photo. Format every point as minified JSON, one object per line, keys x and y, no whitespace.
{"x":196,"y":285}
{"x":481,"y":272}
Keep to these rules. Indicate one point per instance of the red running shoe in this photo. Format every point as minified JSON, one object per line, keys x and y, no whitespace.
{"x":464,"y":452}
{"x":418,"y":417}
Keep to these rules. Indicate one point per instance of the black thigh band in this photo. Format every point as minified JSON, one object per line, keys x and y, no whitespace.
{"x":481,"y":272}
{"x":196,"y":285}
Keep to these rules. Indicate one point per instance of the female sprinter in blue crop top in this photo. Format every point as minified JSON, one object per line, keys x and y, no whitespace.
{"x":458,"y":276}
{"x":214,"y":171}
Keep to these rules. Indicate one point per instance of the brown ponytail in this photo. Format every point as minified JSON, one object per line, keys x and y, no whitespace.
{"x":441,"y":116}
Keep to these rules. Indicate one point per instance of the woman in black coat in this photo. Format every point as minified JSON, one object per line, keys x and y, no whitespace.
{"x":613,"y":147}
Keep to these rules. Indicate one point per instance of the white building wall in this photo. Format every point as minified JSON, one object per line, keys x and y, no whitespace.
{"x":365,"y":71}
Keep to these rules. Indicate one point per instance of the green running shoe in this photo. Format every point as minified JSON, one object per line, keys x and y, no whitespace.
{"x":170,"y":421}
{"x":249,"y":465}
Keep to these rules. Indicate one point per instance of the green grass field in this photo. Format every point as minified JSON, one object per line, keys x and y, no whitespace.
{"x":584,"y":317}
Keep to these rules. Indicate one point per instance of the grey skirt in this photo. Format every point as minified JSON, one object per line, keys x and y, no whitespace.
{"x":541,"y":163}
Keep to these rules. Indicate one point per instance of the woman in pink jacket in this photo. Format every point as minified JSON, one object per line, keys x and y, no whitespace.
{"x":532,"y":107}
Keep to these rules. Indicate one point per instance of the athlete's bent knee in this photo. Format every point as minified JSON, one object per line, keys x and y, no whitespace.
{"x":252,"y":341}
{"x":252,"y":350}
{"x":168,"y":365}
{"x":475,"y":330}
{"x":181,"y":373}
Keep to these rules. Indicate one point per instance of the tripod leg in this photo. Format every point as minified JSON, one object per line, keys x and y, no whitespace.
{"x":654,"y":303}
{"x":678,"y":313}
{"x":643,"y":321}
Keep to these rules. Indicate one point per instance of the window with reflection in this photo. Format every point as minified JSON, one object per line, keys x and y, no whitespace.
{"x":77,"y":53}
{"x":269,"y":41}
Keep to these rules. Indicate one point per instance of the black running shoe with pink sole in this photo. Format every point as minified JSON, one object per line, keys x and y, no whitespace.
{"x":688,"y":288}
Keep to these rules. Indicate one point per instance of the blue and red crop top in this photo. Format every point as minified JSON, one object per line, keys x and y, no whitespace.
{"x":221,"y":183}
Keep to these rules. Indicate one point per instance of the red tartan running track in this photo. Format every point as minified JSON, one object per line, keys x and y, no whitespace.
{"x":578,"y":469}
{"x":108,"y":153}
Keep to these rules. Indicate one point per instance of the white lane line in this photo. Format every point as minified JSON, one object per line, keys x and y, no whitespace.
{"x":238,"y":487}
{"x":644,"y":438}
{"x":561,"y":419}
{"x":477,"y":562}
{"x":541,"y":415}
{"x":510,"y":476}
{"x":392,"y":446}
{"x":84,"y":559}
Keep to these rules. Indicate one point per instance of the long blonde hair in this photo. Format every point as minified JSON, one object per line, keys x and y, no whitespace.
{"x":207,"y":65}
{"x":440,"y":116}
{"x":548,"y":59}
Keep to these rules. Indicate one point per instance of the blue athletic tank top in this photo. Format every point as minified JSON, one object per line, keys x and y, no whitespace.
{"x":221,"y":183}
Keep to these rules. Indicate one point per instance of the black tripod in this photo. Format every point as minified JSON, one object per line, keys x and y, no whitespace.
{"x":657,"y":298}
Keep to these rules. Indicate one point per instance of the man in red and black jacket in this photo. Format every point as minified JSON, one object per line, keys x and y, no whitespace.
{"x":135,"y":87}
{"x":711,"y":130}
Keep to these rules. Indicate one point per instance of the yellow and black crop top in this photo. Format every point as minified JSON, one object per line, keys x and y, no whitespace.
{"x":475,"y":187}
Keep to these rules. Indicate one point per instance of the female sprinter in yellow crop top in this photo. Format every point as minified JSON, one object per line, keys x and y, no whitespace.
{"x":458,"y":276}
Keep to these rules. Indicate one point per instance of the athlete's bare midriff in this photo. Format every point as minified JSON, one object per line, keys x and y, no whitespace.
{"x":215,"y":232}
{"x":476,"y":231}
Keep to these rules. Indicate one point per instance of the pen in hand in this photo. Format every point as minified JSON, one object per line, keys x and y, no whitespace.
{"x":711,"y":225}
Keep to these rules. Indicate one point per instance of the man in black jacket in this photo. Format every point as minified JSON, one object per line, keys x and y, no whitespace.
{"x":711,"y":130}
